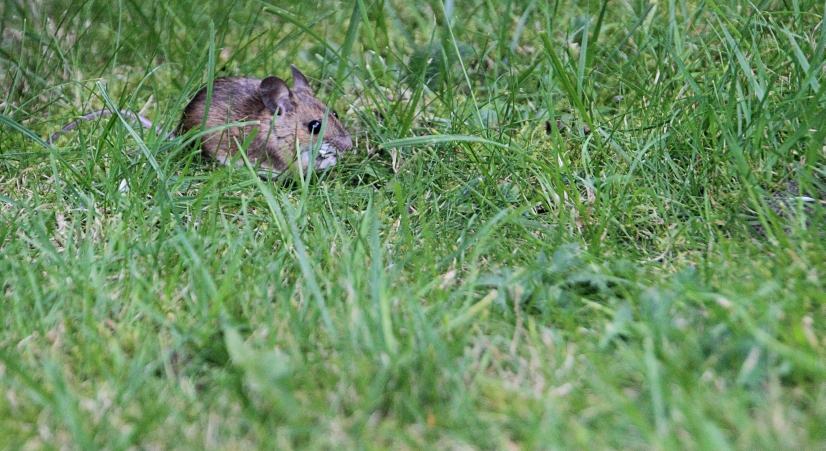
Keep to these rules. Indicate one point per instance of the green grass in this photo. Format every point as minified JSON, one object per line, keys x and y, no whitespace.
{"x":472,"y":277}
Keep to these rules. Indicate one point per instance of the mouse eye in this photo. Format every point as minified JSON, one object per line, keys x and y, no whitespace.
{"x":335,"y":115}
{"x":314,"y":127}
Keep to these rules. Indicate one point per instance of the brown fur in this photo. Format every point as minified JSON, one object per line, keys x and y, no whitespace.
{"x":278,"y":135}
{"x":283,"y":117}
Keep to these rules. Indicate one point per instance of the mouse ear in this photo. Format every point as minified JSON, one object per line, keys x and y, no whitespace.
{"x":300,"y":81}
{"x":276,"y":95}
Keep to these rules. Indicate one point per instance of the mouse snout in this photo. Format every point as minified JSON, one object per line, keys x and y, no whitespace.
{"x":341,"y":143}
{"x":347,"y":143}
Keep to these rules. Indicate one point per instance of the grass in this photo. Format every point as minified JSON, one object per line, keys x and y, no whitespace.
{"x":480,"y":274}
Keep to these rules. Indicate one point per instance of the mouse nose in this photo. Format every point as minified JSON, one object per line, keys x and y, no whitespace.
{"x":344,"y":143}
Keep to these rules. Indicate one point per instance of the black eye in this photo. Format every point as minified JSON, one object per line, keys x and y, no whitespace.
{"x":335,"y":115}
{"x":314,"y":127}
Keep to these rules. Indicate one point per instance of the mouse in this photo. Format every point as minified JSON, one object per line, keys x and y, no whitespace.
{"x":286,"y":120}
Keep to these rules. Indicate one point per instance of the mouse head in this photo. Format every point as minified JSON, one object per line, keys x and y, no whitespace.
{"x":298,"y":108}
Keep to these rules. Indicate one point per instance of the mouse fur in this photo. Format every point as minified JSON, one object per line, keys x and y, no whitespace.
{"x":288,"y":120}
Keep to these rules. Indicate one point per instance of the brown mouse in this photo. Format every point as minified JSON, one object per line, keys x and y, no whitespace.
{"x":287,"y":120}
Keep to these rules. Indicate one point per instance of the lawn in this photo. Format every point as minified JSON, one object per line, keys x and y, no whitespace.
{"x":565,"y":225}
